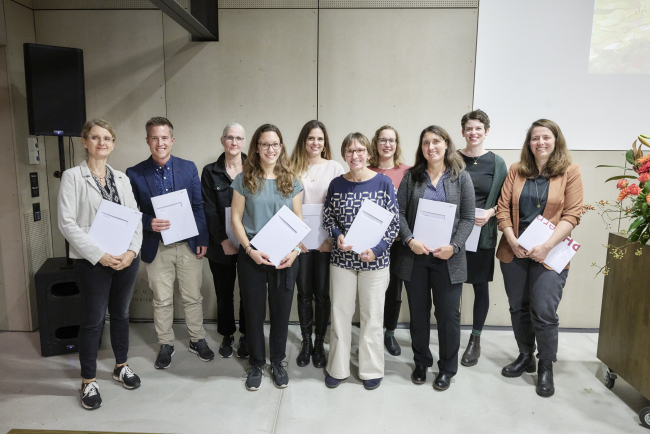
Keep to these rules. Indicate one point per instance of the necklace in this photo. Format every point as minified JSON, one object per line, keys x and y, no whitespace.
{"x":539,"y":204}
{"x":475,"y":159}
{"x":316,"y":172}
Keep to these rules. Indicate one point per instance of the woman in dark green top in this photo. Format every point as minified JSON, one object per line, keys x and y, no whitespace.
{"x":488,"y":171}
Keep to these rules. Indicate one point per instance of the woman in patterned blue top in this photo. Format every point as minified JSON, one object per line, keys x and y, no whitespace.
{"x":349,"y":271}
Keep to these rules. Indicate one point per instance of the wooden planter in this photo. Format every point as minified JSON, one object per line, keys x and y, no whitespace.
{"x":624,"y":340}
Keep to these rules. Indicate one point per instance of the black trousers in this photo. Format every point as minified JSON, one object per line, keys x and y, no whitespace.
{"x":534,"y":294}
{"x":101,"y":288}
{"x":393,"y":302}
{"x":253,"y":281}
{"x":224,"y":277}
{"x":313,"y":284}
{"x":430,"y":282}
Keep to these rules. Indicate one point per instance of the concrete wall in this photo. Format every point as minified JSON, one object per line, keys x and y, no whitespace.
{"x":355,"y":69}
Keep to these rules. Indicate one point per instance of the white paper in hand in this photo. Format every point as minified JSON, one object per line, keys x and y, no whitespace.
{"x":231,"y":234}
{"x":538,"y":232}
{"x":280,"y":235}
{"x":434,"y":223}
{"x":472,"y":241}
{"x":176,"y":208}
{"x":113,"y":227}
{"x":369,"y":226}
{"x":312,"y":214}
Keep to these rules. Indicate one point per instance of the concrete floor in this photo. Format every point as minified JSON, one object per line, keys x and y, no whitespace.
{"x":196,"y":397}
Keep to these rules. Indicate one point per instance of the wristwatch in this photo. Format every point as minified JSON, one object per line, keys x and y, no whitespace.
{"x":297,"y":249}
{"x":456,"y":248}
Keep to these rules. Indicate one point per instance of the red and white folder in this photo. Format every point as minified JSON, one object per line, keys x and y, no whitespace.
{"x":539,"y":231}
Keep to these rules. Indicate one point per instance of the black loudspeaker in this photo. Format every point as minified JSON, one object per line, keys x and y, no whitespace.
{"x":59,"y":307}
{"x":56,"y":96}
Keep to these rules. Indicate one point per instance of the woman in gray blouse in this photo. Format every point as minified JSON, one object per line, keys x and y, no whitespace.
{"x":435,"y":274}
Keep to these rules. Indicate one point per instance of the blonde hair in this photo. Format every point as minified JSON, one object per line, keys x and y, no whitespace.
{"x":373,"y":159}
{"x":254,"y":174}
{"x":95,"y":123}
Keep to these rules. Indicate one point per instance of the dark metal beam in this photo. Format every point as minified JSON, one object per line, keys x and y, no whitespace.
{"x":177,"y":13}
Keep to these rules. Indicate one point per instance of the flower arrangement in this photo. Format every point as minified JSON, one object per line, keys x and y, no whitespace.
{"x":633,"y":201}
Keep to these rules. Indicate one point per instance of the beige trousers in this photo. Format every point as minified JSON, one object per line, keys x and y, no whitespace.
{"x":372,"y":286}
{"x":176,"y":261}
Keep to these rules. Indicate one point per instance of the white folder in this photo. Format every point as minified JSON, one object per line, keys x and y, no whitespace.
{"x":231,"y":234}
{"x":176,"y":208}
{"x":538,"y":232}
{"x":472,"y":241}
{"x":369,"y":226}
{"x":280,"y":235}
{"x":434,"y":223}
{"x":312,"y":214}
{"x":113,"y":227}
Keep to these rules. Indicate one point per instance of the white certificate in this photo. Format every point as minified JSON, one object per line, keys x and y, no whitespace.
{"x":369,"y":226}
{"x":434,"y":223}
{"x":538,"y":232}
{"x":472,"y":241}
{"x":313,"y":216}
{"x":280,"y":235}
{"x":113,"y":227}
{"x":231,"y":234}
{"x":176,"y":208}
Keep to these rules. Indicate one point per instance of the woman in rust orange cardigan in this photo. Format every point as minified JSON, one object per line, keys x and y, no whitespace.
{"x":544,"y":182}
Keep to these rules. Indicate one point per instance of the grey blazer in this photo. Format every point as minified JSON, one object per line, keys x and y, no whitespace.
{"x":459,"y":191}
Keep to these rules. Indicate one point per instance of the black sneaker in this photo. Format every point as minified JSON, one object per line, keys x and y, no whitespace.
{"x":127,"y":377}
{"x":90,"y":399}
{"x":201,"y":349}
{"x":254,"y":378}
{"x":242,"y":350}
{"x":164,"y":358}
{"x":280,"y":375}
{"x":225,"y":350}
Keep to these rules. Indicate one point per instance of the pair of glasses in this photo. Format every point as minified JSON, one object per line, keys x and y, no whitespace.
{"x":265,"y":146}
{"x":435,"y":142}
{"x":359,"y":152}
{"x":98,"y":139}
{"x":234,"y":139}
{"x":389,"y":141}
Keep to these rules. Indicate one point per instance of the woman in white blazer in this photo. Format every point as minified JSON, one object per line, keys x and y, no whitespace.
{"x":104,"y":280}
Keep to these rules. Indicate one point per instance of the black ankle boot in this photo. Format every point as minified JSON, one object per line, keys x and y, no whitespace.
{"x":545,"y":385}
{"x":524,"y":363}
{"x":472,"y":352}
{"x":305,"y":351}
{"x":318,"y":354}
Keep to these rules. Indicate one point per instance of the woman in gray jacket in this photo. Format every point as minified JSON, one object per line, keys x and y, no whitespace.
{"x":435,"y":274}
{"x":104,"y":280}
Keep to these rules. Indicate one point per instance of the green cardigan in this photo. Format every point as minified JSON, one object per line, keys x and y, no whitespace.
{"x":488,"y":237}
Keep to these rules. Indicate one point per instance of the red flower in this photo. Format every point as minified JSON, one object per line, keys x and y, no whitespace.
{"x":644,"y":178}
{"x":633,"y":190}
{"x":645,"y":168}
{"x":622,"y":184}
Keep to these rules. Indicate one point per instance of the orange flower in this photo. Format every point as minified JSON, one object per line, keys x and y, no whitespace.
{"x":647,"y":199}
{"x":622,"y":195}
{"x":633,"y":190}
{"x":622,"y":184}
{"x":641,"y":161}
{"x":644,"y":178}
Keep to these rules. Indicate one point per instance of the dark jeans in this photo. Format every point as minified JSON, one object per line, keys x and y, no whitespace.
{"x":393,"y":302}
{"x":314,"y":285}
{"x":224,"y":277}
{"x":101,"y":288}
{"x":534,"y":293}
{"x":253,"y":281}
{"x":481,"y":304}
{"x":429,"y":282}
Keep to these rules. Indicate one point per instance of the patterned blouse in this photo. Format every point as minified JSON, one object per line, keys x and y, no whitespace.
{"x":109,"y":192}
{"x":342,"y":203}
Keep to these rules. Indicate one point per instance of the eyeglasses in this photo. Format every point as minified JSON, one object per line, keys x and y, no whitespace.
{"x":435,"y":142}
{"x":234,"y":139}
{"x":359,"y":152}
{"x":389,"y":141}
{"x":100,"y":138}
{"x":265,"y":146}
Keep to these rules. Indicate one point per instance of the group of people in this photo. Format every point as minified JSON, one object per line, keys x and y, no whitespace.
{"x":256,"y":185}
